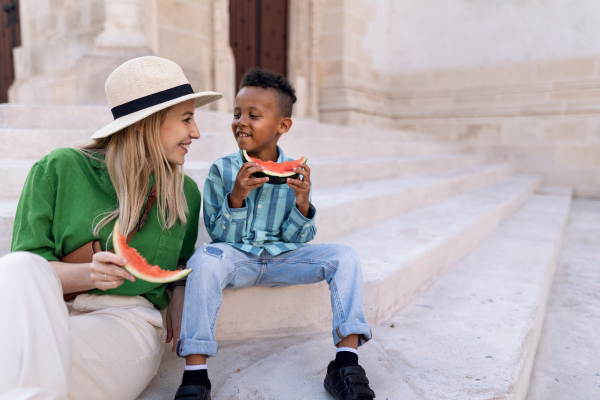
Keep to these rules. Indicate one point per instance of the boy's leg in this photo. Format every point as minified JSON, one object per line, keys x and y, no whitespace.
{"x":340,"y":267}
{"x":215,"y":267}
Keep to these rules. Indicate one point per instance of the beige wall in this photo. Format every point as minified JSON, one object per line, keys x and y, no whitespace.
{"x":408,"y":35}
{"x":544,"y":117}
{"x":541,"y":115}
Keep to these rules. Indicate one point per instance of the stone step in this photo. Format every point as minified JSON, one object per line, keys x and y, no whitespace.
{"x":7,"y":218}
{"x":338,"y":146}
{"x":335,"y":204}
{"x":91,"y":118}
{"x":460,"y":338}
{"x":352,"y":207}
{"x":567,"y":363}
{"x":33,"y":144}
{"x":473,"y":333}
{"x":36,"y":143}
{"x":12,"y":175}
{"x":399,"y":257}
{"x":325,"y":172}
{"x":45,"y":116}
{"x":332,"y":172}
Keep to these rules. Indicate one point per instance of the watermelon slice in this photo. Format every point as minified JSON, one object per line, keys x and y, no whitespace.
{"x":276,"y":172}
{"x":138,"y":266}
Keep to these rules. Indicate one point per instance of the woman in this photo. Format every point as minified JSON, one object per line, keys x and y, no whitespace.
{"x":107,"y":342}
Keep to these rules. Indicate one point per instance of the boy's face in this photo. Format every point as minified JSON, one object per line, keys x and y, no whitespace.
{"x":257,"y":122}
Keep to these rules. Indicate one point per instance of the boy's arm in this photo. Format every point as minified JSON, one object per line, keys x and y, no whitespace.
{"x":223,"y":224}
{"x":297,"y":228}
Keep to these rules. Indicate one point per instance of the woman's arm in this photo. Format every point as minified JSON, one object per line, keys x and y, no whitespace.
{"x":104,"y":272}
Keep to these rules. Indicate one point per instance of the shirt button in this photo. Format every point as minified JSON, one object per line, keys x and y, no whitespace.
{"x":227,"y":215}
{"x":303,"y":235}
{"x":254,"y":244}
{"x":259,"y":206}
{"x":307,"y":225}
{"x":224,"y":227}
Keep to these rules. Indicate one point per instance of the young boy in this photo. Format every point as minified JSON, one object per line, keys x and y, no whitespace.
{"x":259,"y":233}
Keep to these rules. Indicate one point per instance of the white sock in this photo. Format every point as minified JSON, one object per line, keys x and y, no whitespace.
{"x":350,"y":349}
{"x":195,"y":367}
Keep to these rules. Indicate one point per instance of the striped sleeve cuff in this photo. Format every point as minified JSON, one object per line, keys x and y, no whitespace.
{"x":234,"y":214}
{"x":300,"y":220}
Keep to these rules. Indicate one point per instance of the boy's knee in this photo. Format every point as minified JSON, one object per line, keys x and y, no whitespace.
{"x":206,"y":253}
{"x":346,"y":255}
{"x":208,"y":259}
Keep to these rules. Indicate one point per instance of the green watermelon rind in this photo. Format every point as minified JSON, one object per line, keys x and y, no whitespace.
{"x":171,"y":278}
{"x":274,"y":177}
{"x":178,"y":274}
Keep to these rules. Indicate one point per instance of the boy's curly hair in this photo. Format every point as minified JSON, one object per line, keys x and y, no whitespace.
{"x":286,"y":95}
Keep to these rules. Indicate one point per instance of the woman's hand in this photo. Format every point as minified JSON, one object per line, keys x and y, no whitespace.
{"x":301,"y":188}
{"x":107,"y":272}
{"x":244,"y":183}
{"x":174,"y":314}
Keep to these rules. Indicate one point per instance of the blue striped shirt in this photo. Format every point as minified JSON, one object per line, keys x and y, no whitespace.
{"x":269,"y":218}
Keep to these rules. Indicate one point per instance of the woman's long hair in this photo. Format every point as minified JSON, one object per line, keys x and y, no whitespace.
{"x":131,"y":155}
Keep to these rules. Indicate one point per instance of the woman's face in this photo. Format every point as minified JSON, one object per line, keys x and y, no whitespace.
{"x":177,"y":130}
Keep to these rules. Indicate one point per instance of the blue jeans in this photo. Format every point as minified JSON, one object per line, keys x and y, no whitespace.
{"x":218,"y":266}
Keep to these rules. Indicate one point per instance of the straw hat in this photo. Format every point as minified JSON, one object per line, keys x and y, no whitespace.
{"x":143,"y":86}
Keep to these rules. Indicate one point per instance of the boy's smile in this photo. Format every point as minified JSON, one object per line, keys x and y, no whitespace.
{"x":257,"y":122}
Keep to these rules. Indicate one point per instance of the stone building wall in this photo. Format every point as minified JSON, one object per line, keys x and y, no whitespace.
{"x":70,"y":47}
{"x":543,"y":117}
{"x":519,"y":81}
{"x":54,"y":35}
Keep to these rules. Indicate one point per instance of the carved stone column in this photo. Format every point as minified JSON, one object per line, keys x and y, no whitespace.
{"x":301,"y":56}
{"x":123,"y":25}
{"x":223,"y":59}
{"x":123,"y":38}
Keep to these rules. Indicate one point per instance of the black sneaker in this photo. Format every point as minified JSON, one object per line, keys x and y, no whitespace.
{"x":348,"y":383}
{"x":192,"y":392}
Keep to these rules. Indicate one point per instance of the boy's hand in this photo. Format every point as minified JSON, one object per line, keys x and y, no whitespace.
{"x":244,"y":183}
{"x":301,"y":188}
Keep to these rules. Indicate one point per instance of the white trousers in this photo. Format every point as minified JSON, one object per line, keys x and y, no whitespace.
{"x":97,"y":347}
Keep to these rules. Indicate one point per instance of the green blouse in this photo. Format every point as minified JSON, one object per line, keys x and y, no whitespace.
{"x":67,"y":193}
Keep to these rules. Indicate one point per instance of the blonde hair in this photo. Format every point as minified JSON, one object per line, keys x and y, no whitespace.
{"x":131,"y":155}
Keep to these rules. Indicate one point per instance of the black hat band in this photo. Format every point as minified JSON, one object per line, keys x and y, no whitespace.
{"x":151,"y":100}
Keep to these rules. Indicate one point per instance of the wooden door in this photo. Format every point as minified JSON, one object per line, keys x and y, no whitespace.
{"x":258,"y":35}
{"x":10,"y":37}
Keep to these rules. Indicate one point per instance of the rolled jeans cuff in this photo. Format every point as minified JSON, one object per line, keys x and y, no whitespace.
{"x":185,"y":347}
{"x":363,"y":331}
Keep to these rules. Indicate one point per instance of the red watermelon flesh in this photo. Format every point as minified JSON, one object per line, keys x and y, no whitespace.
{"x":276,"y":172}
{"x":138,"y":266}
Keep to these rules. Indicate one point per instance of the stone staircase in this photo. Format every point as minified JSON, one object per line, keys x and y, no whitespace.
{"x":458,"y":257}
